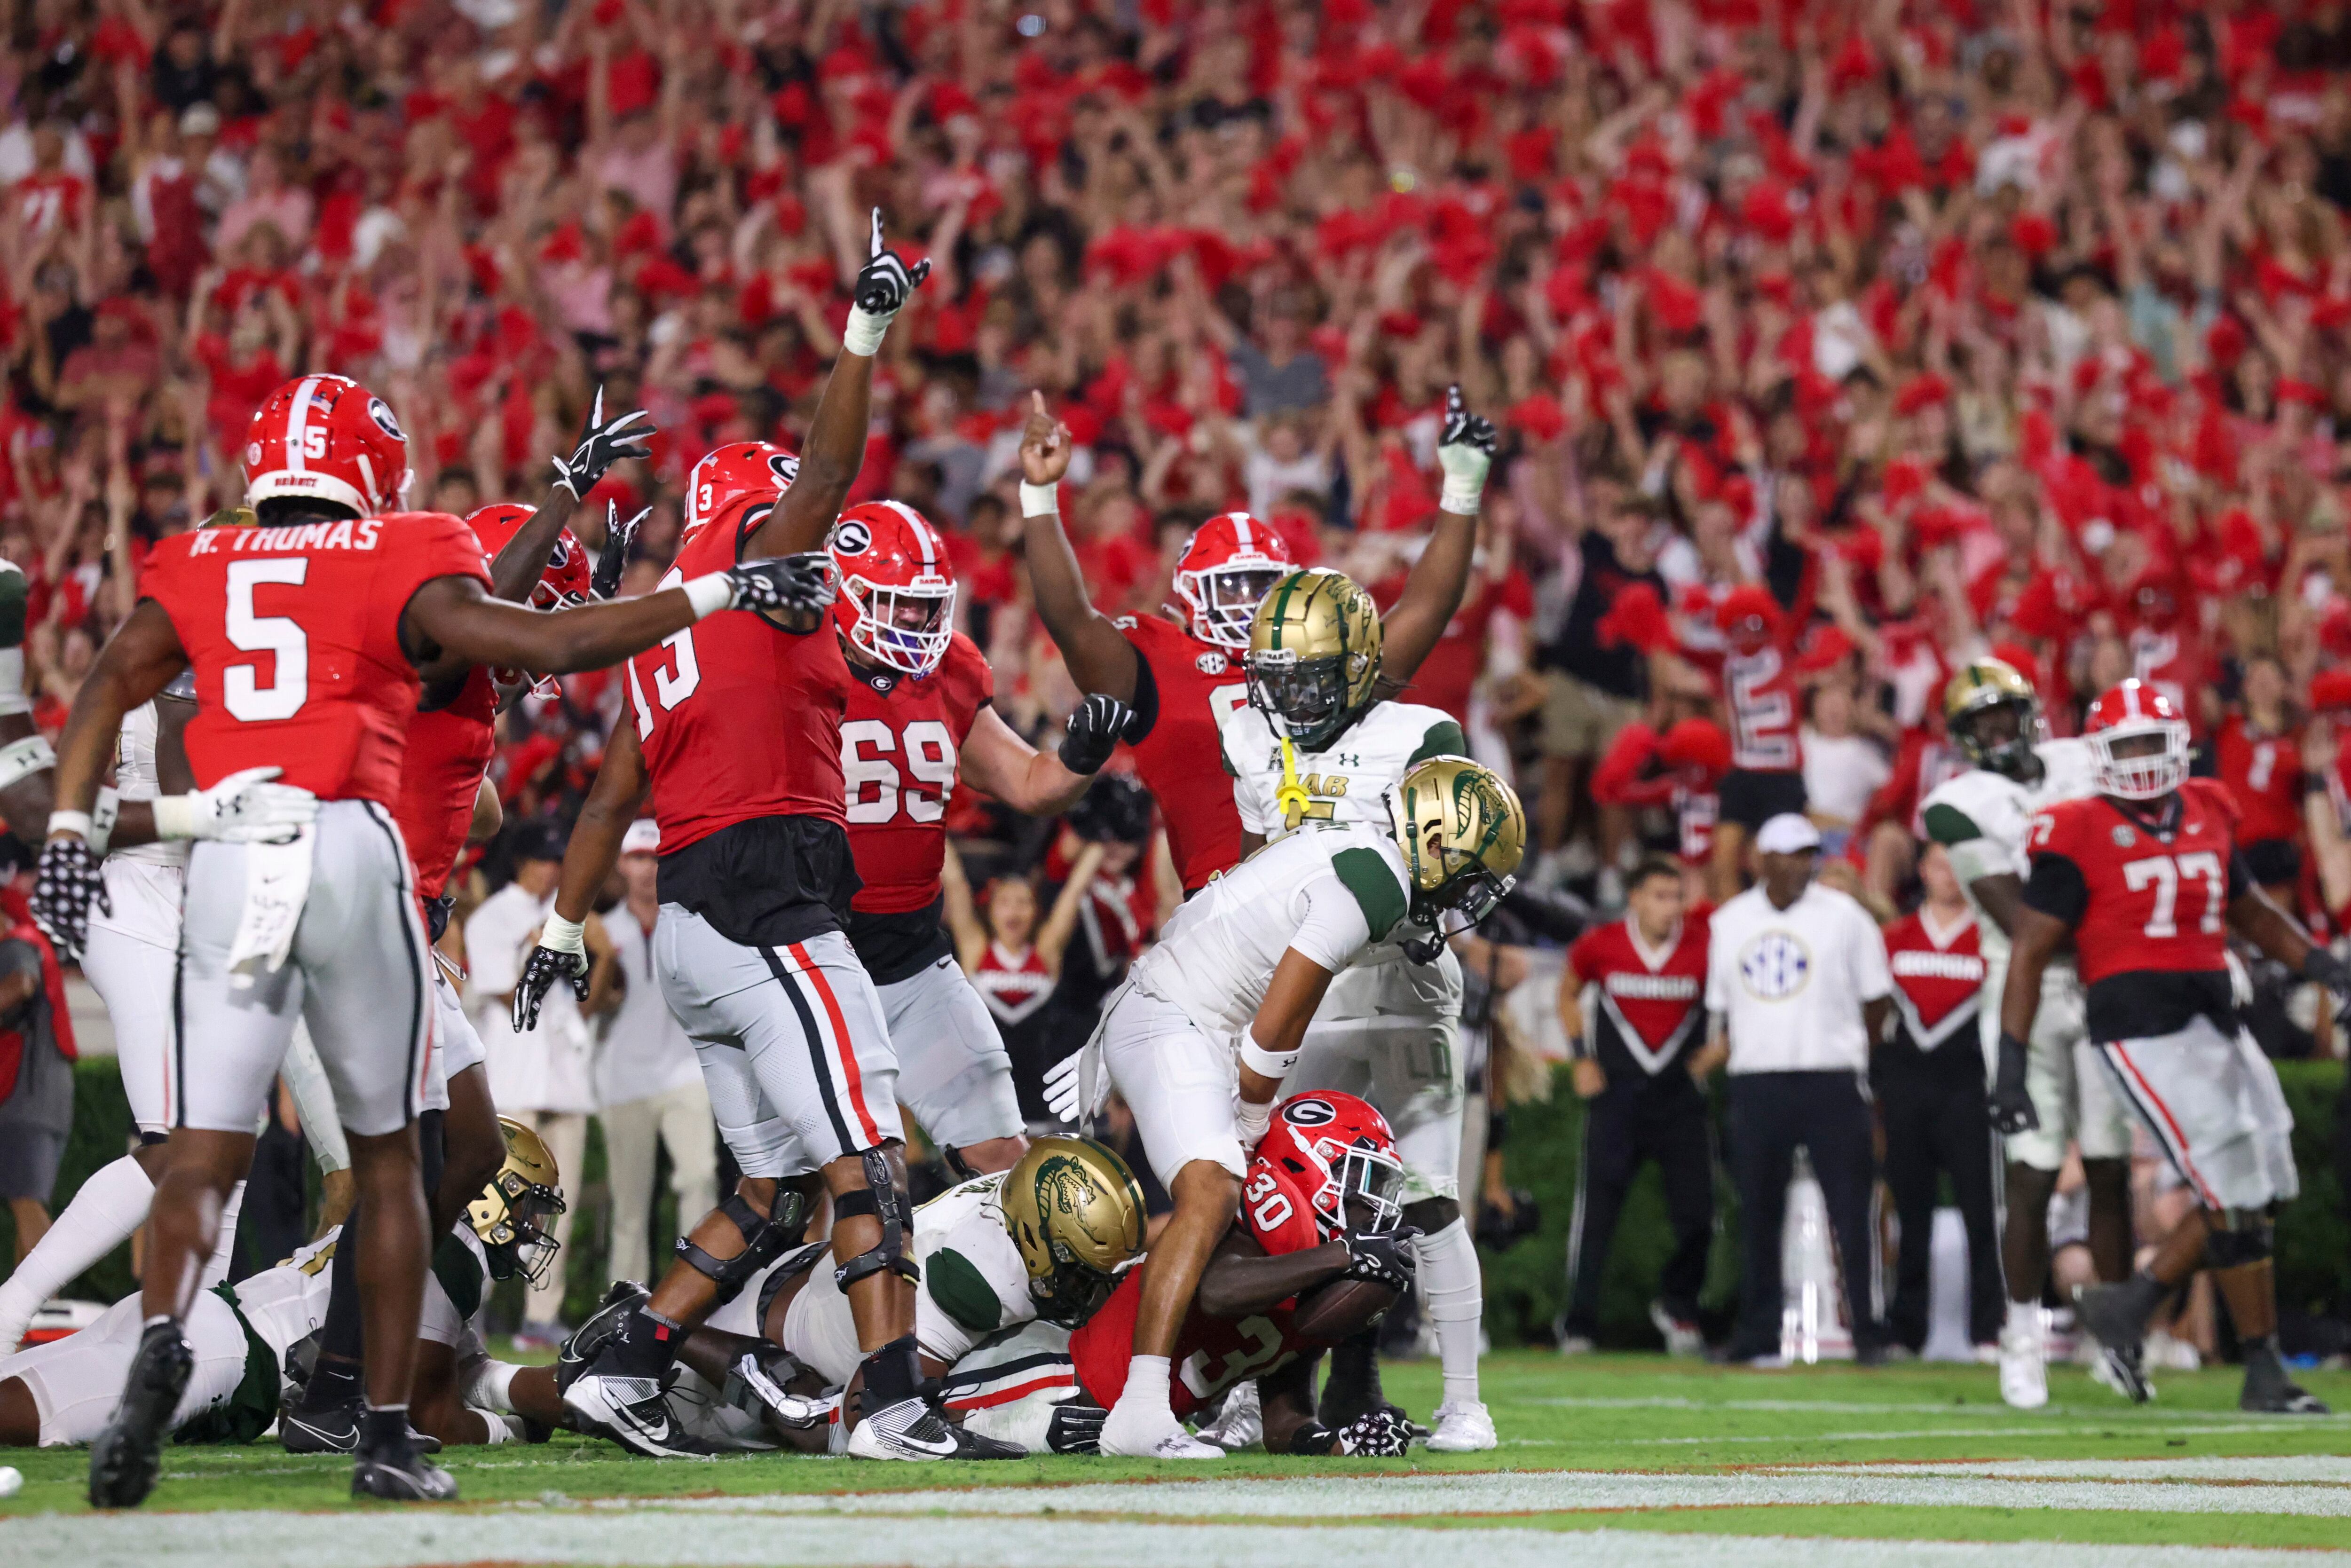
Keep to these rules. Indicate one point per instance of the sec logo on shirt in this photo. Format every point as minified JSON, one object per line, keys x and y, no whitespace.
{"x":1775,"y":965}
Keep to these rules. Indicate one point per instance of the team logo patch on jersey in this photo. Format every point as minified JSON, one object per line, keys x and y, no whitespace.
{"x":881,"y":681}
{"x":2125,"y":838}
{"x":1775,"y":965}
{"x":852,"y":538}
{"x":381,"y":411}
{"x":1211,"y":664}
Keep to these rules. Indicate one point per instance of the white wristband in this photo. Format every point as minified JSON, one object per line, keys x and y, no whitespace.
{"x":1039,"y":500}
{"x":12,"y":697}
{"x":1460,"y":497}
{"x":102,"y":813}
{"x":74,"y":822}
{"x":175,"y":815}
{"x":561,"y":935}
{"x":20,"y":759}
{"x":1265,"y":1063}
{"x":709,"y":593}
{"x":863,"y":333}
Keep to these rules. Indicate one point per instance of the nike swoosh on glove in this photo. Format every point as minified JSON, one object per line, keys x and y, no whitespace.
{"x":804,"y":584}
{"x":1093,"y":733}
{"x":602,"y":444}
{"x":67,"y":883}
{"x":886,"y":282}
{"x":540,"y":972}
{"x":1381,"y":1257}
{"x":605,"y":582}
{"x":1464,"y":452}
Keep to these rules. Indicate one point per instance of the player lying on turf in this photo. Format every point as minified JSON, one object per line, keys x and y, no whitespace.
{"x":1043,"y":1242}
{"x":246,"y":1336}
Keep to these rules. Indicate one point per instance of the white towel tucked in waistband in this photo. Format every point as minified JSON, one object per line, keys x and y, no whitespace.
{"x":276,"y":883}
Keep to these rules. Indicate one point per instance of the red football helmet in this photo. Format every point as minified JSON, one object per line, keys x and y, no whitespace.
{"x":897,"y":594}
{"x":740,"y":468}
{"x":1227,"y":566}
{"x":1336,"y":1148}
{"x":563,"y":580}
{"x":2134,"y":711}
{"x":327,"y":438}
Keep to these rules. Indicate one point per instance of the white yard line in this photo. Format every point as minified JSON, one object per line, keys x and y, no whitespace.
{"x":412,"y":1537}
{"x":2328,"y":1468}
{"x":2155,"y":1413}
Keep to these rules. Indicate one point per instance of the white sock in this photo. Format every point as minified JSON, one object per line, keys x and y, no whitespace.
{"x":491,"y":1388}
{"x":1146,"y":1386}
{"x":216,"y":1267}
{"x":1453,"y":1294}
{"x":2025,"y":1317}
{"x":106,"y":1209}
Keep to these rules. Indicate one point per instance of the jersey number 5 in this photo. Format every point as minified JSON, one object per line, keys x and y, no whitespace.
{"x":872,"y":782}
{"x":242,"y":692}
{"x":2165,"y":873}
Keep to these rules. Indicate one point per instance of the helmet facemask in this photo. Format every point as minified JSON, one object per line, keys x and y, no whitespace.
{"x":1999,"y":736}
{"x":2145,"y":759}
{"x":517,"y":1240}
{"x":1305,"y":699}
{"x":1222,"y":601}
{"x":907,"y":628}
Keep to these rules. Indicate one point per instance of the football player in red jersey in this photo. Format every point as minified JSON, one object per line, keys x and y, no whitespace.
{"x":1322,"y":1202}
{"x":306,"y":635}
{"x":2146,"y":880}
{"x":1183,"y":676}
{"x":921,"y":716}
{"x":737,"y":736}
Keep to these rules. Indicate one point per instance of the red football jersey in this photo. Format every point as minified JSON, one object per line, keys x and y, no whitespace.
{"x":294,"y":635}
{"x":1759,"y":691}
{"x":2263,"y":773}
{"x":449,"y":750}
{"x":1651,"y":999}
{"x":1938,"y":974}
{"x":1211,"y":1354}
{"x":2150,"y":900}
{"x":1198,"y":684}
{"x":739,"y":719}
{"x":899,"y":747}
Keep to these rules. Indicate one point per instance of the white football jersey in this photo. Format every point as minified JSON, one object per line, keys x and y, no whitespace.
{"x":1981,"y":818}
{"x":136,"y":774}
{"x":1332,"y":893}
{"x":285,"y":1305}
{"x":1345,"y":781}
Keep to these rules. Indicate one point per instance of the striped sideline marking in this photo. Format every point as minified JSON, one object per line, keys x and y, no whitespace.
{"x":412,"y":1537}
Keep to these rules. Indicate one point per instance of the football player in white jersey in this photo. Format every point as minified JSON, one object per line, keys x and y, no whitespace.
{"x":1226,"y":997}
{"x":65,"y":1392}
{"x":2056,"y":1091}
{"x":1317,"y":743}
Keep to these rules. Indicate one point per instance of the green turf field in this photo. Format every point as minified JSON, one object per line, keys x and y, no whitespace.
{"x":1603,"y":1459}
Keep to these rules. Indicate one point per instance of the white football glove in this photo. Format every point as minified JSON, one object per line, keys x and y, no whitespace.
{"x":1465,"y":452}
{"x":1066,"y":1085}
{"x":1251,"y":1120}
{"x":245,"y":807}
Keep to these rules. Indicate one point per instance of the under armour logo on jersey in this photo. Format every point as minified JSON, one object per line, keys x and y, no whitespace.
{"x":1211,"y":664}
{"x":852,"y":538}
{"x":1775,"y":965}
{"x":381,"y":411}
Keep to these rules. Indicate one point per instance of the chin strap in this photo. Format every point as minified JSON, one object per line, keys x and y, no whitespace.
{"x":1291,"y":796}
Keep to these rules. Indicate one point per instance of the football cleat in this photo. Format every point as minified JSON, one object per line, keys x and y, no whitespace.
{"x":2111,"y":1315}
{"x":2024,"y":1367}
{"x":1240,"y":1424}
{"x":128,"y":1454}
{"x":911,"y":1430}
{"x":580,"y":1349}
{"x":634,"y":1412}
{"x":1136,"y":1432}
{"x":1463,"y":1426}
{"x":1682,"y":1337}
{"x":334,"y":1429}
{"x":2269,"y":1391}
{"x":2124,"y":1372}
{"x":402,"y":1478}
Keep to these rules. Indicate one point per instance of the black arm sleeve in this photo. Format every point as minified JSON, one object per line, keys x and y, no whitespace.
{"x":1145,"y":707}
{"x":2057,"y":889}
{"x":2241,"y":880}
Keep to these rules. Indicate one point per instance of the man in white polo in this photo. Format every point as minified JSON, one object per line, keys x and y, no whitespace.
{"x":1797,"y":986}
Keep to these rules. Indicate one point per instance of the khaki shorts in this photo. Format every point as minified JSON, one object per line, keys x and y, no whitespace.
{"x":1579,"y":719}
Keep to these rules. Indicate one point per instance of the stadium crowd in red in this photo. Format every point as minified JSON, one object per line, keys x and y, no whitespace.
{"x":1865,"y":335}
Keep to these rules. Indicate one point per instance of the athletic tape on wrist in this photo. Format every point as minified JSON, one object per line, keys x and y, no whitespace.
{"x":102,"y":813}
{"x":863,"y":333}
{"x":1460,"y":497}
{"x":20,"y":759}
{"x":562,"y":935}
{"x":74,"y":822}
{"x":1041,"y":500}
{"x":175,"y":815}
{"x":709,"y":593}
{"x":13,"y":696}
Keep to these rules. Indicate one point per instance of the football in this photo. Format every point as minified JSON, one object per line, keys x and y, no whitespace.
{"x":1331,"y":1312}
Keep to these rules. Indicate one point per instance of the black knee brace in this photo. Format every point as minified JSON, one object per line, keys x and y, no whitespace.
{"x":883,"y":1200}
{"x":764,"y":1241}
{"x":2239,"y":1237}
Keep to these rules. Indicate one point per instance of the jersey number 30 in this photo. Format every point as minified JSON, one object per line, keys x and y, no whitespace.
{"x":871,"y":754}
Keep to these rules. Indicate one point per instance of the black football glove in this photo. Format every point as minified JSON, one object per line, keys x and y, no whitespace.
{"x":1382,"y":1257}
{"x":618,"y":536}
{"x":1382,"y":1433}
{"x":886,"y":282}
{"x":1076,"y":1428}
{"x":1094,"y":732}
{"x":69,"y":880}
{"x":2012,"y":1103}
{"x":804,"y":584}
{"x":540,"y":972}
{"x":602,"y":443}
{"x":2320,"y":967}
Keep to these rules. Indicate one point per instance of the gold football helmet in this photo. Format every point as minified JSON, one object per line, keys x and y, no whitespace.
{"x":1993,"y":716}
{"x":1313,"y":655}
{"x":1462,"y":832}
{"x":510,"y":1215}
{"x":1076,"y":1215}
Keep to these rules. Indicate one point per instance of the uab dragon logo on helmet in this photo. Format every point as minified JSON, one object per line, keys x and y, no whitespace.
{"x":1462,"y":835}
{"x":1076,"y":1215}
{"x":511,"y":1215}
{"x":1313,"y":655}
{"x":1993,"y":716}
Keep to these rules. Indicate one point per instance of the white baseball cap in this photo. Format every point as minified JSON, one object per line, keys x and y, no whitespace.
{"x":1788,"y":833}
{"x":644,"y":838}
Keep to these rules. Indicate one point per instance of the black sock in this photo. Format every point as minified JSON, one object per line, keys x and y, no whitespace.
{"x":1354,"y":1386}
{"x":383,"y":1429}
{"x":431,"y":1151}
{"x":333,"y":1381}
{"x":893,"y":1373}
{"x":339,"y":1340}
{"x":2262,"y":1355}
{"x":646,"y":1344}
{"x":2146,"y":1294}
